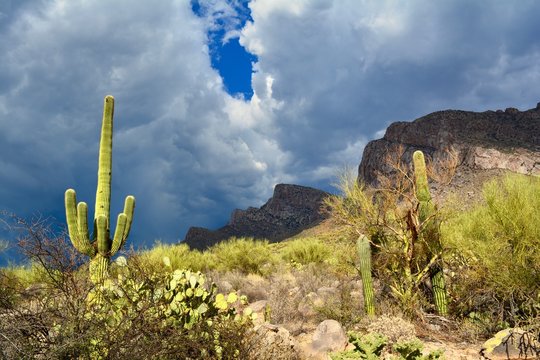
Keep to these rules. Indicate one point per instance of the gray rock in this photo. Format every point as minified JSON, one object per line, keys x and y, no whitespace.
{"x":329,"y":336}
{"x":225,"y":286}
{"x":273,"y":342}
{"x":258,"y":306}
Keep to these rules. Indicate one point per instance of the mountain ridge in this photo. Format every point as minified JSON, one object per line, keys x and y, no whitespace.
{"x":485,"y":144}
{"x":291,"y":209}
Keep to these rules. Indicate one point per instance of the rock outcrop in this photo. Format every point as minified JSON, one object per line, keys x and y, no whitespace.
{"x":487,"y":142}
{"x":291,"y":209}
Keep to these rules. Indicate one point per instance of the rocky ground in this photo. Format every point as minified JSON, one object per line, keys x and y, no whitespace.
{"x":296,"y":312}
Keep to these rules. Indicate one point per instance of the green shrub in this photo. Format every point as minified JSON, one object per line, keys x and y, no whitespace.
{"x":305,"y":251}
{"x":390,"y":216}
{"x":25,"y":274}
{"x":140,"y":314}
{"x":180,"y":257}
{"x":242,"y":254}
{"x":495,"y":243}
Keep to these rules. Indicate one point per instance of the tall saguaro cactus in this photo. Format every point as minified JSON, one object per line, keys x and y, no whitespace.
{"x":100,"y":248}
{"x":364,"y":254}
{"x":430,"y":231}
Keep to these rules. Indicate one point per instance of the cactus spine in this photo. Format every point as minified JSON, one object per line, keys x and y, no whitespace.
{"x":364,"y":254}
{"x":101,"y":247}
{"x":430,"y":231}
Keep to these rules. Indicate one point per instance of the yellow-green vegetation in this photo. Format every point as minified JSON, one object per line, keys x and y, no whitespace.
{"x":246,"y":255}
{"x":252,"y":256}
{"x":100,"y":248}
{"x":179,"y":256}
{"x":25,"y":275}
{"x":164,"y":302}
{"x":497,"y":263}
{"x":427,"y":232}
{"x":142,"y":314}
{"x":374,"y":346}
{"x":175,"y":299}
{"x":390,"y":217}
{"x":303,"y":251}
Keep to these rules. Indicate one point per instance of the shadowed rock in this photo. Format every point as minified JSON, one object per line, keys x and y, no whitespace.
{"x":291,"y":209}
{"x":485,"y":144}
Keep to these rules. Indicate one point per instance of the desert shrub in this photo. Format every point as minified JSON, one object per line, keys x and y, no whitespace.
{"x":246,"y":255}
{"x":496,"y":264}
{"x":49,"y":292}
{"x":180,"y":257}
{"x":171,"y":303}
{"x":305,"y":251}
{"x":255,"y":287}
{"x":9,"y":286}
{"x":342,"y":306}
{"x":137,"y":314}
{"x":394,"y":328}
{"x":405,"y":250}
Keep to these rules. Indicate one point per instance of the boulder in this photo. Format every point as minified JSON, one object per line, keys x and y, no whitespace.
{"x":273,"y":342}
{"x":328,"y":337}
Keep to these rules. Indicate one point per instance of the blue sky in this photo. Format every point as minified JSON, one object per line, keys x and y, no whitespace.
{"x":217,"y":101}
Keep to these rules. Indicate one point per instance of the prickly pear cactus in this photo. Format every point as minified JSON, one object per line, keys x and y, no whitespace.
{"x":430,"y":231}
{"x":100,"y":247}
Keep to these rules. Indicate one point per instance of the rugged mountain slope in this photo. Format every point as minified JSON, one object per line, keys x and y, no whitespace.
{"x":485,"y":144}
{"x":291,"y":209}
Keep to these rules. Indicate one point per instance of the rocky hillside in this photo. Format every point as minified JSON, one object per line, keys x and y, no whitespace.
{"x":485,"y":144}
{"x":291,"y":209}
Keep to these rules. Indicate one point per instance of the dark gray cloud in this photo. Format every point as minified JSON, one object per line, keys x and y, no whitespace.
{"x":330,"y":75}
{"x":176,"y":146}
{"x":342,"y":69}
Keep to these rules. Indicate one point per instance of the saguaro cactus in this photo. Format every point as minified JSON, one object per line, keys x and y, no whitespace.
{"x":364,"y":254}
{"x":430,"y":231}
{"x":100,"y":248}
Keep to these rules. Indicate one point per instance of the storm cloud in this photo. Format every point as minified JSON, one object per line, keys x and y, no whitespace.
{"x":329,"y":76}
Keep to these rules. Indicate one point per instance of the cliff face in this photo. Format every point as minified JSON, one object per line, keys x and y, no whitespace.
{"x":291,"y":209}
{"x":485,"y":143}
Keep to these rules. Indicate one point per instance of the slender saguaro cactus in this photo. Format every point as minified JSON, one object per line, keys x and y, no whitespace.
{"x":100,"y":248}
{"x":430,"y":231}
{"x":364,"y":254}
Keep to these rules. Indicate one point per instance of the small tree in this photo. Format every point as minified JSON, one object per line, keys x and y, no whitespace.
{"x":401,"y":222}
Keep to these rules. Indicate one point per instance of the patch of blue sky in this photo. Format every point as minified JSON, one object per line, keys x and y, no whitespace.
{"x":228,"y":57}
